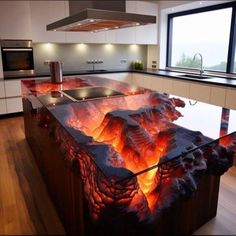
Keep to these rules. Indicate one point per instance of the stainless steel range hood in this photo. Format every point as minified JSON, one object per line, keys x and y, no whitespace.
{"x":95,"y":20}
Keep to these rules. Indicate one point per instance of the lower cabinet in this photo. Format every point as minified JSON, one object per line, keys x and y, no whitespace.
{"x":218,"y":95}
{"x":200,"y":92}
{"x":14,"y":105}
{"x":213,"y":94}
{"x":230,"y":99}
{"x":3,"y":107}
{"x":123,"y":77}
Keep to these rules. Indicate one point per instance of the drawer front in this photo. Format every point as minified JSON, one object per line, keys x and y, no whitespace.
{"x":13,"y":88}
{"x":3,"y":107}
{"x":2,"y":89}
{"x":14,"y":105}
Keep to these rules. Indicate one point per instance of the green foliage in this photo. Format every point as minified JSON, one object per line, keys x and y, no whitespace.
{"x":188,"y":62}
{"x":219,"y":67}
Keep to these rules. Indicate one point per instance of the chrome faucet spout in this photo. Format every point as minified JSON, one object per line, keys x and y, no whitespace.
{"x":201,"y":61}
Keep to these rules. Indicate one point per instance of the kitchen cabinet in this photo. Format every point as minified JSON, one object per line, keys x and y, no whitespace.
{"x":3,"y":107}
{"x":200,"y":92}
{"x":15,"y":20}
{"x":136,"y":35}
{"x":181,"y":88}
{"x":2,"y":89}
{"x":14,"y":105}
{"x":218,"y":95}
{"x":143,"y":34}
{"x":230,"y":100}
{"x":167,"y":85}
{"x":13,"y":88}
{"x":44,"y":13}
{"x":28,"y":20}
{"x":123,"y":77}
{"x":157,"y":83}
{"x":13,"y":96}
{"x":141,"y":80}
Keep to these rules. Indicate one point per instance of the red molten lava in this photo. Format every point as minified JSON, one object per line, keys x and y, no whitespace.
{"x":127,"y":135}
{"x":131,"y":126}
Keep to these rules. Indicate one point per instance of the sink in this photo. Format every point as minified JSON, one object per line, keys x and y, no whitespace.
{"x":195,"y":76}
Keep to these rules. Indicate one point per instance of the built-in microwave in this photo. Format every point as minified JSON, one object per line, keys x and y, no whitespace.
{"x":17,"y":57}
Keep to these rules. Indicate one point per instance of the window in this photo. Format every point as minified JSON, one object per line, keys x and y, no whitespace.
{"x":209,"y":31}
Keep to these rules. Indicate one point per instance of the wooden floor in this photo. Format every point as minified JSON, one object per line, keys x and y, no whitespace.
{"x":25,"y":207}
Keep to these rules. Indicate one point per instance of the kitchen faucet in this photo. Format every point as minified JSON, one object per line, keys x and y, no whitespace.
{"x":201,"y":65}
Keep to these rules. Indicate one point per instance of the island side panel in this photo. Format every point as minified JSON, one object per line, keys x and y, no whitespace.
{"x":64,"y":186}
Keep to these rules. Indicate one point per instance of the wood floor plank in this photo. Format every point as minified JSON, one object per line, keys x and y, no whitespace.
{"x":25,"y":207}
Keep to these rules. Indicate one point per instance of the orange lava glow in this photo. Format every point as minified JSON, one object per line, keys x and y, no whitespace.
{"x":133,"y":135}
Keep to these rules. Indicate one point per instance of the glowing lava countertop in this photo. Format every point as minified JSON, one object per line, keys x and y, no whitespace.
{"x":133,"y":150}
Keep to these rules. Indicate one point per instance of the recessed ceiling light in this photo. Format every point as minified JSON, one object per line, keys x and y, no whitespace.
{"x":54,"y":30}
{"x":106,"y":28}
{"x":137,"y":23}
{"x":78,"y":24}
{"x":116,"y":27}
{"x":91,"y":20}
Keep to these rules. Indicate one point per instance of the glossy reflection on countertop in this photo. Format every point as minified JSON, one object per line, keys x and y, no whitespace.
{"x":204,"y":117}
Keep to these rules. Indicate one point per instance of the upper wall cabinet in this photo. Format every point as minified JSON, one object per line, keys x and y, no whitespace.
{"x":28,"y":20}
{"x":44,"y":13}
{"x":15,"y":20}
{"x":144,"y":34}
{"x":135,"y":35}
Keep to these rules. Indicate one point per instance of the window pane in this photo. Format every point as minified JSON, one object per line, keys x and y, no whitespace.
{"x":207,"y":33}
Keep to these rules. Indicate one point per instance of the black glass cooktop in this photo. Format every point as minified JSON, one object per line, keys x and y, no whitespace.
{"x":91,"y":93}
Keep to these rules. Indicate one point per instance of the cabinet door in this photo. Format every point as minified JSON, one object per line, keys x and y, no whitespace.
{"x":167,"y":85}
{"x":181,"y":88}
{"x":200,"y":92}
{"x":218,"y":95}
{"x":144,"y":34}
{"x":14,"y":105}
{"x":13,"y":88}
{"x":44,"y":13}
{"x":3,"y":108}
{"x":156,"y":83}
{"x":2,"y":90}
{"x":15,"y":20}
{"x":141,"y":80}
{"x":230,"y":101}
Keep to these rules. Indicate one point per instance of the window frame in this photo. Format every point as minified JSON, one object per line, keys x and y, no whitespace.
{"x":232,"y":36}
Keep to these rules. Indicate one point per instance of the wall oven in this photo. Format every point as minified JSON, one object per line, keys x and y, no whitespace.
{"x":17,"y":58}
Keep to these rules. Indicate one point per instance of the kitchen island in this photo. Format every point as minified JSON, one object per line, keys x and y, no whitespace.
{"x":115,"y":162}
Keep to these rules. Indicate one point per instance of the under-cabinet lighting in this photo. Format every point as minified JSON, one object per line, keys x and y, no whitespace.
{"x":108,"y":47}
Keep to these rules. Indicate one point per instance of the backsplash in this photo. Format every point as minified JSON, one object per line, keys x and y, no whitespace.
{"x":76,"y":56}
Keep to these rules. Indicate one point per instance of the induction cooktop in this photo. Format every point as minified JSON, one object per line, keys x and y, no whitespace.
{"x":88,"y":93}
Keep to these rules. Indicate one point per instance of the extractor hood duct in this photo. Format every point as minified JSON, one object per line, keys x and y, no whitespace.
{"x":95,"y":16}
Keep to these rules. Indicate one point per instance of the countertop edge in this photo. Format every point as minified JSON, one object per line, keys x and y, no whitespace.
{"x":168,"y":74}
